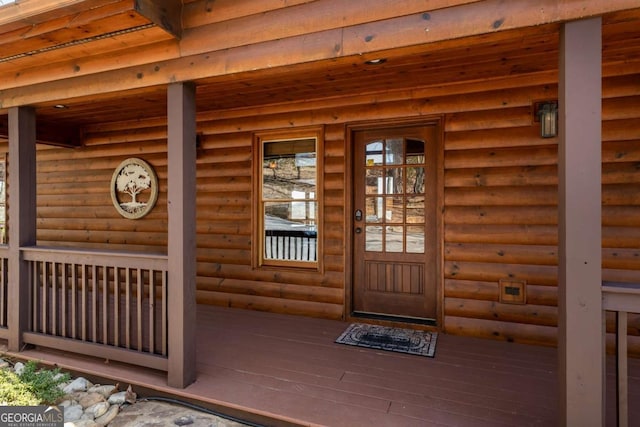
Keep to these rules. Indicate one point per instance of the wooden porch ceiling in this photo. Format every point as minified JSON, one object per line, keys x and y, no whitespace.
{"x":526,"y":52}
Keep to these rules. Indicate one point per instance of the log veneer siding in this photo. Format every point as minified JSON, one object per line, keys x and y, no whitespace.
{"x":500,"y":199}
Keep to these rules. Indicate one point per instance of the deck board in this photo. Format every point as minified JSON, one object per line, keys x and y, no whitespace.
{"x":288,"y":370}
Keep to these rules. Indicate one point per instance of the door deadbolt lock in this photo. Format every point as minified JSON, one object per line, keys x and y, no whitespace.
{"x":358,"y":230}
{"x":358,"y":215}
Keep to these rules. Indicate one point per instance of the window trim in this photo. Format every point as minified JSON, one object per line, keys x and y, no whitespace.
{"x":259,"y":139}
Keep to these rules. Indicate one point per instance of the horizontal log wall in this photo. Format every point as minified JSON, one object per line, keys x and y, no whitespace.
{"x":500,"y":178}
{"x":500,"y":197}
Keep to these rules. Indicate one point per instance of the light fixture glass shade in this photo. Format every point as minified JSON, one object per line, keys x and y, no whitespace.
{"x":548,"y":120}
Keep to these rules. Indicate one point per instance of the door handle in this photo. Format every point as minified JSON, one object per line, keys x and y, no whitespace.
{"x":358,"y":230}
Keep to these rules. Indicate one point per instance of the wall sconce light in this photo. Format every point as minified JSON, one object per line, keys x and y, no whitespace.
{"x":547,"y":114}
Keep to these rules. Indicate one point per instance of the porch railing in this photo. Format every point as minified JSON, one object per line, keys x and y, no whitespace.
{"x":621,"y":298}
{"x":106,"y":304}
{"x":291,"y":245}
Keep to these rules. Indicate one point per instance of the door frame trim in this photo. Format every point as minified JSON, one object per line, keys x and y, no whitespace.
{"x":350,"y":129}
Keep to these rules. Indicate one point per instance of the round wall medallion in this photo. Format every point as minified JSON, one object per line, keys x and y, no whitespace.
{"x":134,"y":188}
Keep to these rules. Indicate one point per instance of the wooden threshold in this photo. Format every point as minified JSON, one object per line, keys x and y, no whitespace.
{"x":286,"y":370}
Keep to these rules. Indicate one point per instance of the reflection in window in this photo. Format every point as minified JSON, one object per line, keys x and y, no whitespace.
{"x":395,"y":195}
{"x":289,"y":202}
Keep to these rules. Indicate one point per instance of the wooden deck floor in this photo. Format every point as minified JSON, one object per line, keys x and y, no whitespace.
{"x":281,"y":370}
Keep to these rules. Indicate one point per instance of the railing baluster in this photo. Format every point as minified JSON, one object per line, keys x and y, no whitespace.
{"x":116,"y":306}
{"x":63,"y":302}
{"x":34,"y":295}
{"x":139,"y":300}
{"x":152,"y":311}
{"x":54,"y":299}
{"x":45,"y":297}
{"x":164,"y":313}
{"x":94,"y":302}
{"x":74,"y":301}
{"x":622,"y":389}
{"x":105,"y":305}
{"x":83,"y":302}
{"x":127,"y":334}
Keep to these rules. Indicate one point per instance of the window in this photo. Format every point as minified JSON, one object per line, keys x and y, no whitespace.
{"x":288,"y":194}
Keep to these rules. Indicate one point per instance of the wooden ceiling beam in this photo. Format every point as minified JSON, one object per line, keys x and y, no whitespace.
{"x":166,"y":14}
{"x":49,"y":133}
{"x":337,"y":45}
{"x":33,"y":12}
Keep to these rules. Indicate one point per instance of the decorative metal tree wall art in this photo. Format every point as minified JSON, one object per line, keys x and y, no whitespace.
{"x":134,"y":188}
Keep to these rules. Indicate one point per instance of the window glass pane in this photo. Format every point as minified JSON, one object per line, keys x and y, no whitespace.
{"x":374,"y":154}
{"x":289,"y":201}
{"x":373,"y":238}
{"x":394,"y":238}
{"x":290,"y":231}
{"x":394,"y":151}
{"x":415,"y":239}
{"x":374,"y":209}
{"x":393,"y":184}
{"x":289,"y":170}
{"x":374,"y":181}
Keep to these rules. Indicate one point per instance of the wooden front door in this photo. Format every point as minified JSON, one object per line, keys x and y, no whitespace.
{"x":394,"y":222}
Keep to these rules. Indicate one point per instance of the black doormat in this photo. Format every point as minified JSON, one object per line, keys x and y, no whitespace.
{"x":421,"y":343}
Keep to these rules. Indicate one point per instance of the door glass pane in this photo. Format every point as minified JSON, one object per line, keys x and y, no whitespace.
{"x":415,"y":152}
{"x":394,"y":151}
{"x":374,"y":181}
{"x":373,"y":238}
{"x":374,"y":154}
{"x":394,"y":209}
{"x":415,"y":210}
{"x":374,"y":209}
{"x":393,"y":184}
{"x":415,"y":180}
{"x":394,"y":238}
{"x":415,"y":239}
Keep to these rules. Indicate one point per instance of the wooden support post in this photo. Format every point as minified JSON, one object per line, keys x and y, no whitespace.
{"x":181,"y":207}
{"x":581,"y":339}
{"x":22,"y":217}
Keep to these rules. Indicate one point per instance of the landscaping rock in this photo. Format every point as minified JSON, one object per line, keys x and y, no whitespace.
{"x":88,"y":405}
{"x":90,"y":399}
{"x":117,"y":398}
{"x":73,"y":412}
{"x":81,"y":423}
{"x":18,"y":368}
{"x":109,"y":416}
{"x":104,"y":390}
{"x":97,"y":410}
{"x":79,"y":384}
